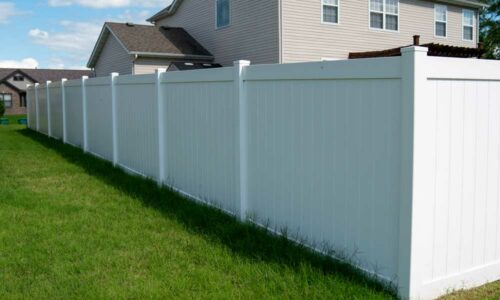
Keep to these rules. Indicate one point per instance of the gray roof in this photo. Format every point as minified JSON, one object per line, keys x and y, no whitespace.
{"x":151,"y":41}
{"x":44,"y":75}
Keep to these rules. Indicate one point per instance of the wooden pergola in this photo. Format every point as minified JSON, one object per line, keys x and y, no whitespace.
{"x":434,"y":50}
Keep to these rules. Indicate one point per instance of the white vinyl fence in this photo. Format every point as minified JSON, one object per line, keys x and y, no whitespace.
{"x":394,"y":162}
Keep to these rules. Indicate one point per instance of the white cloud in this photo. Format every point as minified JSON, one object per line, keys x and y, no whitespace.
{"x":77,"y":38}
{"x":110,"y":3}
{"x":71,"y":44}
{"x":27,"y":63}
{"x":9,"y":10}
{"x":37,"y":33}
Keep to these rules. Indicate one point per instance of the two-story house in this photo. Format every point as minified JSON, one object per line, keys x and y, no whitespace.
{"x":287,"y":31}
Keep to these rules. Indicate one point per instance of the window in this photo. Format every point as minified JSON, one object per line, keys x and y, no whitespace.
{"x":222,"y":13}
{"x":440,"y":18}
{"x":18,"y":78}
{"x":22,"y":100}
{"x":468,"y":24}
{"x":6,"y":99}
{"x":330,"y":11}
{"x":384,"y":14}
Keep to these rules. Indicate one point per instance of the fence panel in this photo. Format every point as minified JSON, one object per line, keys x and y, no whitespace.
{"x":393,"y":163}
{"x":137,"y":124}
{"x":56,"y":113}
{"x":30,"y":96}
{"x":458,"y":158}
{"x":99,"y":117}
{"x":323,"y":163}
{"x":74,"y":112}
{"x":42,"y":109}
{"x":200,"y":132}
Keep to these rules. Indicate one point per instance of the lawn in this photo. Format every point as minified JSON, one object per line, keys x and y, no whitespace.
{"x":71,"y":226}
{"x":487,"y":292}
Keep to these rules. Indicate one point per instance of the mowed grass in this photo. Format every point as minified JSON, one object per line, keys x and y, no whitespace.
{"x":489,"y":291}
{"x":72,"y":226}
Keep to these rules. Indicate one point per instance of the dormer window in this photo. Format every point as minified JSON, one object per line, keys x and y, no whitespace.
{"x":222,"y":14}
{"x":18,"y":77}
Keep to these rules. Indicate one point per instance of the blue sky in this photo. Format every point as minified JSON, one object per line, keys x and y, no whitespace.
{"x":61,"y":33}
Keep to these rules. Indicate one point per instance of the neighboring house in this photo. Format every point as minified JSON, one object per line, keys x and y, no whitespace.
{"x":141,"y":49}
{"x":13,"y":84}
{"x":286,"y":31}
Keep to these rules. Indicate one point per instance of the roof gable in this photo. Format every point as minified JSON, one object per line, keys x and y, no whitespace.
{"x":150,"y":41}
{"x":43,"y":75}
{"x":6,"y":74}
{"x":168,"y":11}
{"x":9,"y":85}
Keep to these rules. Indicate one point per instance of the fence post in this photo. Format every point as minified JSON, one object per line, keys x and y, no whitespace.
{"x":242,"y":131}
{"x":49,"y":119}
{"x":28,"y":106}
{"x":160,"y":106}
{"x":37,"y":111}
{"x":113,"y":77}
{"x":413,"y":79}
{"x":84,"y":112}
{"x":63,"y":95}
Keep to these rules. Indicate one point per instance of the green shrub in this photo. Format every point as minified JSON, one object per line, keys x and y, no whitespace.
{"x":2,"y":109}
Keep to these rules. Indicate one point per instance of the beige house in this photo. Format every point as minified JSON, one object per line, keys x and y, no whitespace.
{"x":283,"y":31}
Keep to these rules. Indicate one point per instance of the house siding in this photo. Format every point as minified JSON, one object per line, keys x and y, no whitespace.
{"x":113,"y":58}
{"x":305,"y":38}
{"x":150,"y":65}
{"x":16,"y":108}
{"x":252,"y":35}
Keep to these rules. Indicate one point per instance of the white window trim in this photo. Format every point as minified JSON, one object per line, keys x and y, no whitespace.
{"x":446,"y":23}
{"x":465,"y":25}
{"x":384,"y":13}
{"x":229,"y":23}
{"x":338,"y":13}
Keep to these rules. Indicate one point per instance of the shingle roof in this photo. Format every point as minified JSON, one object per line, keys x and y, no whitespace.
{"x":148,"y":40}
{"x":43,"y":75}
{"x":152,"y":39}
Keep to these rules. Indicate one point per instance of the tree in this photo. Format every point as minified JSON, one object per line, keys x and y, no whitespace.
{"x":2,"y":109}
{"x":490,"y":29}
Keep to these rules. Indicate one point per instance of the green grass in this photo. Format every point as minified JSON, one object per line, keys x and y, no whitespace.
{"x":489,"y":291}
{"x":72,"y":226}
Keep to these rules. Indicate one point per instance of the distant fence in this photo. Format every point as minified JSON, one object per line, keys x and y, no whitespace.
{"x":395,"y":161}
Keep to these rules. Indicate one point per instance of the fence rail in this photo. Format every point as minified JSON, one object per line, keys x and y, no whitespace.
{"x":395,"y":160}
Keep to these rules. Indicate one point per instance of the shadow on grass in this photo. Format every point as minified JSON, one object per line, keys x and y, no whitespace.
{"x":245,"y":240}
